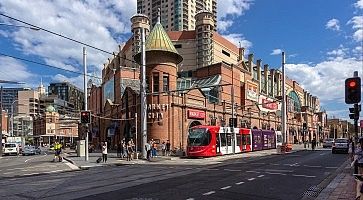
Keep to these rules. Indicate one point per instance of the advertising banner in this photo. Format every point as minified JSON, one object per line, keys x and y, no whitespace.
{"x":251,"y":91}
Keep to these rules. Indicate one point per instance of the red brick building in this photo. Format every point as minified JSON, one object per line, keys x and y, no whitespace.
{"x":174,"y":103}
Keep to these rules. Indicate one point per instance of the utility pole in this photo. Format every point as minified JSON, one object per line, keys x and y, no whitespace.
{"x":143,"y":94}
{"x":283,"y":108}
{"x":136,"y":138}
{"x":85,"y":99}
{"x":233,"y":125}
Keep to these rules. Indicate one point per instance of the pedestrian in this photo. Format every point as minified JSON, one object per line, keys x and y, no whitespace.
{"x":163,"y":148}
{"x":313,"y":143}
{"x":167,"y":145}
{"x":104,"y":152}
{"x":129,"y":151}
{"x":148,"y":150}
{"x":154,"y":148}
{"x":350,"y":150}
{"x":119,"y":147}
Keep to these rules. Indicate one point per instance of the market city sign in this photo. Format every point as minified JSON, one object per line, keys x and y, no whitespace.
{"x":268,"y":105}
{"x":156,"y":111}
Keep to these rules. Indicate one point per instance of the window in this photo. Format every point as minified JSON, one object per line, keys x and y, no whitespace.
{"x":213,"y":96}
{"x":177,"y":46}
{"x":156,"y":83}
{"x":226,"y":53}
{"x":165,"y":83}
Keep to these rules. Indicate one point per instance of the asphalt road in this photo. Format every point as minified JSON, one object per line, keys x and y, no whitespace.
{"x":271,"y":177}
{"x":17,"y":166}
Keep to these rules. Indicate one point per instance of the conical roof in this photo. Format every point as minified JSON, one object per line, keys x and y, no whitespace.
{"x":158,"y":40}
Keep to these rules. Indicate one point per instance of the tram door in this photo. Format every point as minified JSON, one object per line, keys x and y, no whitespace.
{"x":226,"y":141}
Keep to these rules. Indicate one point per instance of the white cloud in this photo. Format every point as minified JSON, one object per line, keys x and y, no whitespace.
{"x":357,"y":25}
{"x":325,"y":79}
{"x":103,"y":24}
{"x":13,"y":70}
{"x":333,"y":24}
{"x":276,"y":52}
{"x":228,"y":9}
{"x":237,"y":38}
{"x":359,"y":4}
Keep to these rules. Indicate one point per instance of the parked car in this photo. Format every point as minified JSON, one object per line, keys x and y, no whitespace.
{"x":30,"y":150}
{"x":11,"y":148}
{"x":340,"y":145}
{"x":328,"y":142}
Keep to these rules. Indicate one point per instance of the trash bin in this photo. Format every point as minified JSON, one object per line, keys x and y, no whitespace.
{"x":81,"y":148}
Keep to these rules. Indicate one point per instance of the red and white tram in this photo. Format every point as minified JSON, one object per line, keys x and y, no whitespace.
{"x":207,"y":141}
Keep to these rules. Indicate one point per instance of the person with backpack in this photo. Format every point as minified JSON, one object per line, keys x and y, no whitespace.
{"x":104,"y":152}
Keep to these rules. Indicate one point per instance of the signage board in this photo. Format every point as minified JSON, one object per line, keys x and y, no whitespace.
{"x":195,"y":114}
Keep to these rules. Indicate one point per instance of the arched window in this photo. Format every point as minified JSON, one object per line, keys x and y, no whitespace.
{"x":293,"y":102}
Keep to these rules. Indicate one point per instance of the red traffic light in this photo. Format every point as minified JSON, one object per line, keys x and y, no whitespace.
{"x":352,"y":84}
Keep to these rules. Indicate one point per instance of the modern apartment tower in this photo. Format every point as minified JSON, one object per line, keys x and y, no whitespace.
{"x":69,"y":93}
{"x":176,"y":15}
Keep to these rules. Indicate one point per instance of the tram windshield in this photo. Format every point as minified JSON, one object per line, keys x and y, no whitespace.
{"x":198,"y":137}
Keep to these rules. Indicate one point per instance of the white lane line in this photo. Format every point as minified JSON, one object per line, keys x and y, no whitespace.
{"x":251,"y":179}
{"x":188,"y":168}
{"x":232,"y":170}
{"x":30,"y":174}
{"x":211,"y":169}
{"x":276,"y":173}
{"x":190,"y":199}
{"x":224,"y":188}
{"x":278,"y":170}
{"x":262,"y":163}
{"x":209,"y":193}
{"x":322,"y":154}
{"x":260,"y":176}
{"x":274,"y":164}
{"x":300,"y":175}
{"x":253,"y":172}
{"x":239,"y":183}
{"x":331,"y":167}
{"x":314,"y":166}
{"x":8,"y":172}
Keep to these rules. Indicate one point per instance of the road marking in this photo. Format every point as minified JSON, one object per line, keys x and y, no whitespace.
{"x":8,"y":173}
{"x":239,"y":183}
{"x":258,"y":163}
{"x":232,"y":170}
{"x":30,"y":174}
{"x":278,"y":170}
{"x":322,"y":154}
{"x":307,"y":176}
{"x":72,"y":166}
{"x":331,"y":167}
{"x":224,"y":188}
{"x":251,"y":179}
{"x":260,"y":176}
{"x":190,"y":199}
{"x":314,"y":166}
{"x":188,"y":168}
{"x":276,"y":173}
{"x":34,"y":158}
{"x":209,"y":193}
{"x":211,"y":169}
{"x":253,"y":172}
{"x":274,"y":164}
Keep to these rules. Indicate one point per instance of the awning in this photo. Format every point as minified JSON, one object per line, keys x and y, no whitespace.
{"x":206,"y":84}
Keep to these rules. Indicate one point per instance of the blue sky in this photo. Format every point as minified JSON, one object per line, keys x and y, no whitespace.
{"x":322,"y":39}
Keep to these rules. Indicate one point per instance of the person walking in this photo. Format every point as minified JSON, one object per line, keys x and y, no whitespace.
{"x":163,"y":148}
{"x":313,"y":143}
{"x":129,"y":151}
{"x":104,"y":152}
{"x":167,"y":148}
{"x":119,"y":147}
{"x":148,"y":150}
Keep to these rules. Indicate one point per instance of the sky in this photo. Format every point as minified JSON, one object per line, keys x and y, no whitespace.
{"x":322,"y":39}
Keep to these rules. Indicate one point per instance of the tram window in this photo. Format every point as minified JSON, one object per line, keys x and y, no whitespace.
{"x":198,"y":137}
{"x":223,"y":140}
{"x":229,"y":139}
{"x":239,"y":138}
{"x":248,"y":139}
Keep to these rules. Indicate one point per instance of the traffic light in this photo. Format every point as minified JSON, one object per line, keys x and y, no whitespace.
{"x":305,"y":126}
{"x":232,"y":122}
{"x":352,"y":90}
{"x":85,"y":117}
{"x":354,"y":112}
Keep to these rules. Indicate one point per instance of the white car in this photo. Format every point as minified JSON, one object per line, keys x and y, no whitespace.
{"x":11,"y":148}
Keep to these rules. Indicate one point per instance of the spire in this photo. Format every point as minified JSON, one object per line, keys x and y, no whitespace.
{"x":158,"y":16}
{"x":41,"y":81}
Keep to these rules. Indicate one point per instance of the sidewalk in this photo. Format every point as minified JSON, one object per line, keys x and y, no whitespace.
{"x":71,"y":156}
{"x":342,"y":187}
